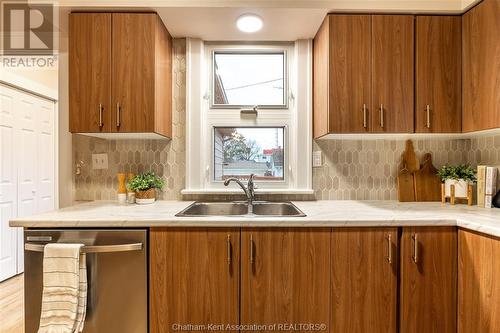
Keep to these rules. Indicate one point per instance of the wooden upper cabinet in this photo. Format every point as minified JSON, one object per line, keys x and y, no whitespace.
{"x":364,"y":269}
{"x":360,"y":63}
{"x":138,"y":73}
{"x":194,"y":277}
{"x":285,"y":276}
{"x":428,"y":286}
{"x":478,"y":283}
{"x":90,"y":72}
{"x":438,"y":74}
{"x":350,"y":73}
{"x":342,"y":87}
{"x":481,"y":51}
{"x":392,"y":73}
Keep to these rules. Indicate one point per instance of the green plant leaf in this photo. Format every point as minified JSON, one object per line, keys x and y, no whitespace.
{"x":145,"y":181}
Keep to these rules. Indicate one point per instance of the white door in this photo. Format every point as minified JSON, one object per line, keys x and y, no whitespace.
{"x":27,"y":142}
{"x":8,"y":184}
{"x":46,"y":155}
{"x":27,"y":164}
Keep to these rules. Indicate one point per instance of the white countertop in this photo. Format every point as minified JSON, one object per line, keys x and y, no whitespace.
{"x":323,"y":213}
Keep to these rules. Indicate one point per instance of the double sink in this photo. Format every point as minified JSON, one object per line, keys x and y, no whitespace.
{"x":241,"y":208}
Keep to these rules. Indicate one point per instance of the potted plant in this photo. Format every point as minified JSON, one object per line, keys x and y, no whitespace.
{"x":145,"y":186}
{"x":460,"y":176}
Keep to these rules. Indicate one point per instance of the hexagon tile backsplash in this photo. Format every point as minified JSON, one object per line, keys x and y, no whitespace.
{"x":352,"y":169}
{"x":367,"y":169}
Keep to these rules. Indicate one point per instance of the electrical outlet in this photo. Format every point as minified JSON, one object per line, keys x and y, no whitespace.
{"x":99,"y":161}
{"x":317,"y":159}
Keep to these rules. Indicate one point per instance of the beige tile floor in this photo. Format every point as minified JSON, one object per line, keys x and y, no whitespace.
{"x":12,"y":305}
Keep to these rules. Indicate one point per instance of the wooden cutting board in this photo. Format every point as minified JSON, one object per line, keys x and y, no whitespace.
{"x":409,"y":158}
{"x":427,"y":182}
{"x":406,"y":191}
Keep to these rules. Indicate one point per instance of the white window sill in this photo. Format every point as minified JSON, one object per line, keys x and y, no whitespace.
{"x":239,"y":191}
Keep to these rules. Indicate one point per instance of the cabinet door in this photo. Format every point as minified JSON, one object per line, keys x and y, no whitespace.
{"x":478,"y":283}
{"x":428,"y":300}
{"x":439,"y":70}
{"x":364,"y":266}
{"x":194,"y":277}
{"x":392,"y":75}
{"x":481,"y":51}
{"x":134,"y":72}
{"x":350,"y":66}
{"x":90,"y":72}
{"x":285,"y":277}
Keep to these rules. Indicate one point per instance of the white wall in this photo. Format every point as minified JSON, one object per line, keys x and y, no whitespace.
{"x":65,"y":137}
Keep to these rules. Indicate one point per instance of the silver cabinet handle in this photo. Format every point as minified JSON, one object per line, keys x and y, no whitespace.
{"x":118,"y":121}
{"x":101,"y":124}
{"x":382,"y":115}
{"x":365,"y":121}
{"x":428,"y":116}
{"x":92,"y":248}
{"x":228,"y":243}
{"x":389,"y":248}
{"x":415,"y":248}
{"x":252,"y":249}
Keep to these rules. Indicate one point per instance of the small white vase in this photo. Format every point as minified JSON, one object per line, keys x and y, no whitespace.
{"x":460,"y":188}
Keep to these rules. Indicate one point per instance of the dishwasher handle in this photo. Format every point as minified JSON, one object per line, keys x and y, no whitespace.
{"x":92,"y":248}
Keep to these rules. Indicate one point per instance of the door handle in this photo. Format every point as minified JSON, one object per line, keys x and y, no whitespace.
{"x":92,"y":248}
{"x":389,"y":248}
{"x":101,"y":124}
{"x":228,"y":249}
{"x":118,"y":110}
{"x":414,"y":238}
{"x":365,"y":120}
{"x":428,"y":116}
{"x":252,"y":250}
{"x":382,"y":115}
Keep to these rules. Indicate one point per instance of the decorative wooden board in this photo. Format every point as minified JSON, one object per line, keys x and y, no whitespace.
{"x":427,"y":182}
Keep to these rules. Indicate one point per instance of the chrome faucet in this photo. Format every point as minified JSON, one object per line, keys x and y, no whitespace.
{"x":249,"y":190}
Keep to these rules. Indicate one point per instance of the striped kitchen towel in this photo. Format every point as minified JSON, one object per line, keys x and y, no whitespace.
{"x":64,"y":297}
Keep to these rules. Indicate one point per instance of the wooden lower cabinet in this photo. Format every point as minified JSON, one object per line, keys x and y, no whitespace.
{"x":478,"y":283}
{"x":194,"y":277}
{"x":364,"y":263}
{"x":285,"y":277}
{"x":428,"y":282}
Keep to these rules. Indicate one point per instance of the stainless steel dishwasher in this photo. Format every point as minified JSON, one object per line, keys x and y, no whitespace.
{"x":116,"y":272}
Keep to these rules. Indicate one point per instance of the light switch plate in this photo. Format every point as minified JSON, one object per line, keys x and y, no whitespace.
{"x":99,"y":161}
{"x":317,"y":159}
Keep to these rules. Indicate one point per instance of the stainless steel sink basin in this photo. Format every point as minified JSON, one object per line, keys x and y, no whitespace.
{"x":260,"y":209}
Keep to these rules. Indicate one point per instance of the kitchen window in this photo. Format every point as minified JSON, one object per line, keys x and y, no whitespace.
{"x":242,"y":151}
{"x":249,"y":78}
{"x":228,"y":137}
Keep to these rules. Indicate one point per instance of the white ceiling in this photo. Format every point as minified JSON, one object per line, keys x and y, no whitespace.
{"x":284,"y":20}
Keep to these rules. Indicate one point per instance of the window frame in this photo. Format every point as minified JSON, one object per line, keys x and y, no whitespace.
{"x":285,"y":154}
{"x":200,"y":118}
{"x":227,"y":50}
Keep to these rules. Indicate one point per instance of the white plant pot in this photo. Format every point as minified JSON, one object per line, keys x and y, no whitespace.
{"x":460,"y":188}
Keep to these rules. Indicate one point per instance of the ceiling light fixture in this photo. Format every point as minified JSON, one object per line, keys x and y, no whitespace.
{"x":249,"y":23}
